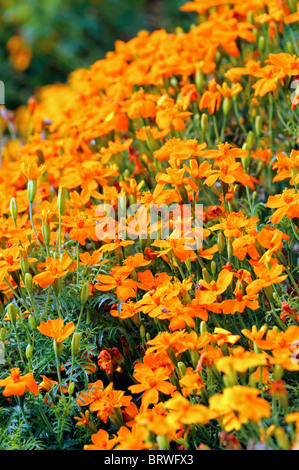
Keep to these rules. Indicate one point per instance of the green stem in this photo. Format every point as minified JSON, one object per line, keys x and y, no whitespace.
{"x":32,"y":223}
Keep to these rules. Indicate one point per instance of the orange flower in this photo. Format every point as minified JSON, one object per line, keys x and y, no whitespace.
{"x":56,"y":329}
{"x":134,"y":439}
{"x":286,"y":203}
{"x":211,"y":98}
{"x":151,"y":383}
{"x":266,"y":277}
{"x":237,"y":405}
{"x":183,"y":413}
{"x":55,"y":269}
{"x":124,"y":288}
{"x":212,"y":290}
{"x":16,"y":384}
{"x":32,"y":171}
{"x":101,"y":441}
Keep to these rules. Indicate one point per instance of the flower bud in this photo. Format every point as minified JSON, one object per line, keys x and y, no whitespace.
{"x":194,"y":357}
{"x":61,"y":199}
{"x":14,"y":208}
{"x":204,"y":123}
{"x":76,"y":343}
{"x":85,"y":293}
{"x":2,"y":334}
{"x":29,"y":351}
{"x":31,"y":322}
{"x":261,"y":44}
{"x":12,"y":312}
{"x":58,"y":348}
{"x":278,"y":372}
{"x":71,"y":389}
{"x":24,"y":261}
{"x":199,"y":80}
{"x":203,"y":327}
{"x":258,"y":125}
{"x":221,"y":243}
{"x":147,"y":336}
{"x":28,"y":283}
{"x":57,"y":285}
{"x":226,"y":106}
{"x":250,"y":141}
{"x":31,"y":190}
{"x":213,"y":267}
{"x":206,"y":276}
{"x":182,"y":368}
{"x":269,"y":293}
{"x":282,"y":438}
{"x":230,"y":249}
{"x":142,"y":332}
{"x":163,"y":442}
{"x":46,"y":232}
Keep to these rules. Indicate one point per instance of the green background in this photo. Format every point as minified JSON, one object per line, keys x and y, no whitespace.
{"x":66,"y":34}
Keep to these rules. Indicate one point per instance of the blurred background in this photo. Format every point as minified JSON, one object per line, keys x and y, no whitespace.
{"x":41,"y":41}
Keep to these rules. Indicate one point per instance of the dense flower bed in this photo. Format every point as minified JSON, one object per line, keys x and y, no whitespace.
{"x":187,"y":341}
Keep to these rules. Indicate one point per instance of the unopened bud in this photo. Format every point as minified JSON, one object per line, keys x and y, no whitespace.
{"x":142,"y":332}
{"x":29,"y":351}
{"x":182,"y":368}
{"x":213,"y":267}
{"x":12,"y":312}
{"x":31,"y":190}
{"x":76,"y":343}
{"x":57,"y":285}
{"x":250,"y":141}
{"x":261,"y":43}
{"x":282,"y":438}
{"x":46,"y":232}
{"x":194,"y":357}
{"x":163,"y":442}
{"x":2,"y":334}
{"x":28,"y":283}
{"x":226,"y":106}
{"x":258,"y":125}
{"x":31,"y":322}
{"x":61,"y":199}
{"x":203,"y":327}
{"x":58,"y":348}
{"x":85,"y":293}
{"x":278,"y":372}
{"x":71,"y":389}
{"x":14,"y":208}
{"x":221,"y":243}
{"x":206,"y":275}
{"x":24,"y":261}
{"x":204,"y":123}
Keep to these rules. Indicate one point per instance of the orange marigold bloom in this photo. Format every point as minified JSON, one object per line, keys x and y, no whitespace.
{"x":211,"y":290}
{"x":151,"y":383}
{"x":32,"y":171}
{"x":286,"y":203}
{"x":16,"y":384}
{"x":54,"y":269}
{"x":101,"y":441}
{"x":124,"y":288}
{"x":211,"y":98}
{"x":56,"y":329}
{"x":237,"y":405}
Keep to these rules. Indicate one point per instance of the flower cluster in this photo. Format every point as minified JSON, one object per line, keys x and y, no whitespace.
{"x":141,"y":343}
